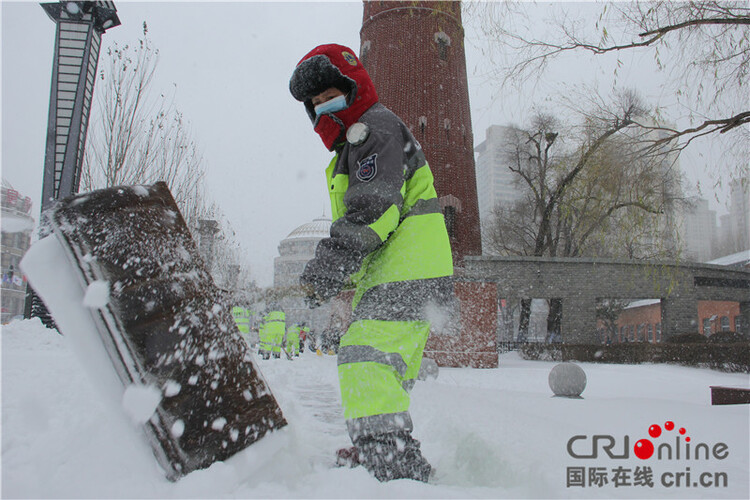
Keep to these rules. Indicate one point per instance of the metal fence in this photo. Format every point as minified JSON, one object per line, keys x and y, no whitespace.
{"x":503,"y":347}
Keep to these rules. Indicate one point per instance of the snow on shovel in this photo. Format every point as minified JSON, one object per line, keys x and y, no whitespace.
{"x":186,"y":375}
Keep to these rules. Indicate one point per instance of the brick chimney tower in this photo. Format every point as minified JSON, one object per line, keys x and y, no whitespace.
{"x":414,"y":53}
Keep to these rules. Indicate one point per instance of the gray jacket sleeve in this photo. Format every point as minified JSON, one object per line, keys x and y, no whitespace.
{"x":376,"y":176}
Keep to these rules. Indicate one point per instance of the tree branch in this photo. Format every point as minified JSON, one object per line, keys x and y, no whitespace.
{"x":707,"y":127}
{"x":697,"y":22}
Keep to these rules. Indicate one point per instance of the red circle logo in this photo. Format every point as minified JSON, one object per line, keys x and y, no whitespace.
{"x":643,"y":449}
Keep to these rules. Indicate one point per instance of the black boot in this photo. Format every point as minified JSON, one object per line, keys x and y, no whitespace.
{"x":393,"y":456}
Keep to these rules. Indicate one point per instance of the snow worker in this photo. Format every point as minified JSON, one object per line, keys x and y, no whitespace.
{"x":275,"y":322}
{"x":265,"y":338}
{"x":388,"y":239}
{"x":242,"y":319}
{"x":292,"y":340}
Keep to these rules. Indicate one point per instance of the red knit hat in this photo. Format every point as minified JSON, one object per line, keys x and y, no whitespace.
{"x":328,"y":66}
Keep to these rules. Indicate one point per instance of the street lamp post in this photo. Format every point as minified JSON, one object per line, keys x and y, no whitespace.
{"x":80,"y":25}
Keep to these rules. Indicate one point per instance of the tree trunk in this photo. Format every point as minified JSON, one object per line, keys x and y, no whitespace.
{"x":523,"y":325}
{"x":554,"y":318}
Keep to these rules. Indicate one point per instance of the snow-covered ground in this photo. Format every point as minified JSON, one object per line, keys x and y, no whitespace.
{"x":495,"y":433}
{"x":68,"y":431}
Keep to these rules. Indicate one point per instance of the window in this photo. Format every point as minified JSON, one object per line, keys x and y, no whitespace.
{"x":443,"y":42}
{"x":658,"y":332}
{"x":422,"y":124}
{"x":706,"y":326}
{"x":725,"y":323}
{"x":632,"y":333}
{"x":650,"y":337}
{"x":738,"y":324}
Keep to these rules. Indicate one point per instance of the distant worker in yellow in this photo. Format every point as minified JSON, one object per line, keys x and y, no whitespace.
{"x":242,"y":319}
{"x":275,"y":323}
{"x":265,"y":338}
{"x":292,"y":340}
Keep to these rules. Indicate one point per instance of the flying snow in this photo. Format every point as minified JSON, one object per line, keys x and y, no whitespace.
{"x":97,"y":295}
{"x":141,"y":191}
{"x":140,"y":402}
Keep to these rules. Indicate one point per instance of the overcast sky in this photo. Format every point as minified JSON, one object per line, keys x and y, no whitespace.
{"x":229,"y":65}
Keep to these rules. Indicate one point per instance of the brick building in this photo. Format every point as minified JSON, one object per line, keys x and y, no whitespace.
{"x":414,"y":53}
{"x":641,"y":320}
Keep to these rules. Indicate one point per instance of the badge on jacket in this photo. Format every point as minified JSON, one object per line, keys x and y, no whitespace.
{"x":367,"y":168}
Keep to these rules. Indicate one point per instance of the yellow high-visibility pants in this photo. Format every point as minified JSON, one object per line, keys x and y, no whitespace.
{"x":377,"y":364}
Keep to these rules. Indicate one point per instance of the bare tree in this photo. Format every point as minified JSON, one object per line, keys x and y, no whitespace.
{"x":137,"y":136}
{"x":572,"y":182}
{"x":581,"y":187}
{"x":702,"y":46}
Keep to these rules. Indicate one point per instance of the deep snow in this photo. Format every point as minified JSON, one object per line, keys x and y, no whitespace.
{"x":69,"y":429}
{"x":490,"y":433}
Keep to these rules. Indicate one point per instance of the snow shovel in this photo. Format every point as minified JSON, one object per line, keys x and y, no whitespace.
{"x":166,"y":325}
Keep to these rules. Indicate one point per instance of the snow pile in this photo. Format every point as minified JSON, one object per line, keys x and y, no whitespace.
{"x":489,"y":433}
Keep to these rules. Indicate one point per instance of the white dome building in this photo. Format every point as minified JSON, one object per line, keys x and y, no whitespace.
{"x":294,"y":252}
{"x":297,"y":249}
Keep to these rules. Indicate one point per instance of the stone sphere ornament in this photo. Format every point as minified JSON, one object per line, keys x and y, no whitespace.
{"x":428,"y":370}
{"x":567,"y":380}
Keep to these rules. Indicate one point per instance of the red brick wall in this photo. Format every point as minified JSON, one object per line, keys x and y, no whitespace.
{"x":651,"y":314}
{"x":401,"y":53}
{"x":637,"y":316}
{"x":709,"y":308}
{"x":475,"y":345}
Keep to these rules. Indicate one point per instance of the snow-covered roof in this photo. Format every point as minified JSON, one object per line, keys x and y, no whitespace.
{"x":318,"y":228}
{"x":736,"y":259}
{"x":643,"y":302}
